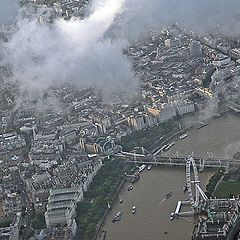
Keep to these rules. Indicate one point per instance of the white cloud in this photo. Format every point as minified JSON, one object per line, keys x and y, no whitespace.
{"x":74,"y":51}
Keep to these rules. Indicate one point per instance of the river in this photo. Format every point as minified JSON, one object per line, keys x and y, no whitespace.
{"x":151,"y":220}
{"x":221,"y":136}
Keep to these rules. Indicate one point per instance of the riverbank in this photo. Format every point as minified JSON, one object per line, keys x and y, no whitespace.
{"x":101,"y":193}
{"x":100,"y":223}
{"x":149,"y":137}
{"x":214,"y":182}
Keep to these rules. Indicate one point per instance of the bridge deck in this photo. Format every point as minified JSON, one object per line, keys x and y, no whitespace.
{"x":180,"y":160}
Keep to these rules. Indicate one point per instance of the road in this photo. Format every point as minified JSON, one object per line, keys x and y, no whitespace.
{"x":25,"y":223}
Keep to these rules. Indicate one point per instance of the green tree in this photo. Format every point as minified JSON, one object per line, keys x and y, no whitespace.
{"x":38,"y":221}
{"x":103,"y":188}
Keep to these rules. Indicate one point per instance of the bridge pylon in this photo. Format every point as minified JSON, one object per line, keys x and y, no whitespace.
{"x":201,"y":164}
{"x":154,"y":159}
{"x":208,"y":155}
{"x":220,"y":163}
{"x":227,"y":167}
{"x":193,"y":154}
{"x":142,"y":150}
{"x":135,"y":158}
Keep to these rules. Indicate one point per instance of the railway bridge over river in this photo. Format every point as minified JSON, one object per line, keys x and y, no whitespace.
{"x":207,"y":160}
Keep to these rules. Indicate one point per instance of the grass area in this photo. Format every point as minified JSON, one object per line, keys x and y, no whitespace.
{"x":228,"y":189}
{"x":147,"y":137}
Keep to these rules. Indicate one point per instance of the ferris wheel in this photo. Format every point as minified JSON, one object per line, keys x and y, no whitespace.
{"x":192,"y":181}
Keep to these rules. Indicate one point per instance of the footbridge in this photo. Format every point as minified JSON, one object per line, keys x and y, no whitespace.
{"x":207,"y":160}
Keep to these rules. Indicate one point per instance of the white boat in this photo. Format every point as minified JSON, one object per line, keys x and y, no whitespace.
{"x":172,"y":216}
{"x":149,"y":167}
{"x":217,"y":115}
{"x":136,"y":177}
{"x":183,"y":136}
{"x":142,"y":167}
{"x":133,"y":209}
{"x":117,"y":217}
{"x":169,"y":146}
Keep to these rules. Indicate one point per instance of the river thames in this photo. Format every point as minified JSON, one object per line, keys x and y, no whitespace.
{"x":151,"y":220}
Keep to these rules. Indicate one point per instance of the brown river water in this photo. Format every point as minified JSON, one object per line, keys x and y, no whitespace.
{"x":151,"y":220}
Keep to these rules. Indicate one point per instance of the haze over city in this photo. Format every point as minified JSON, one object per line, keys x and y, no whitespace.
{"x":119,"y":119}
{"x":36,"y":51}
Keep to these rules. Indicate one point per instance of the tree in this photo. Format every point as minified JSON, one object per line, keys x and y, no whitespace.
{"x":38,"y":221}
{"x":103,"y":188}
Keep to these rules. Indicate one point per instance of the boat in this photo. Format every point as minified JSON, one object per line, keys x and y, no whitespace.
{"x":217,"y":115}
{"x":172,"y":216}
{"x":169,"y":146}
{"x":149,"y":167}
{"x":135,"y":178}
{"x":103,"y":235}
{"x":169,"y":194}
{"x":120,"y":201}
{"x":183,"y":136}
{"x":117,"y":217}
{"x":184,"y":189}
{"x":133,"y":209}
{"x":109,"y":206}
{"x":130,"y":188}
{"x":142,"y":167}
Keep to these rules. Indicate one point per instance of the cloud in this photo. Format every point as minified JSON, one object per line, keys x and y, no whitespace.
{"x":74,"y":52}
{"x":81,"y":52}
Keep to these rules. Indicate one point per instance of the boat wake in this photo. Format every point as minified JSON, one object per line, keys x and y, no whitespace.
{"x":165,"y":198}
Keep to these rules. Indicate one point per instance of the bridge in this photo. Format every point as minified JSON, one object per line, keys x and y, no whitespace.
{"x":233,"y":106}
{"x":207,"y":160}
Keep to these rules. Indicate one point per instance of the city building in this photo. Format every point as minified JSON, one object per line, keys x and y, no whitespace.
{"x":235,"y":53}
{"x":61,"y":207}
{"x":185,"y":107}
{"x":219,"y":219}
